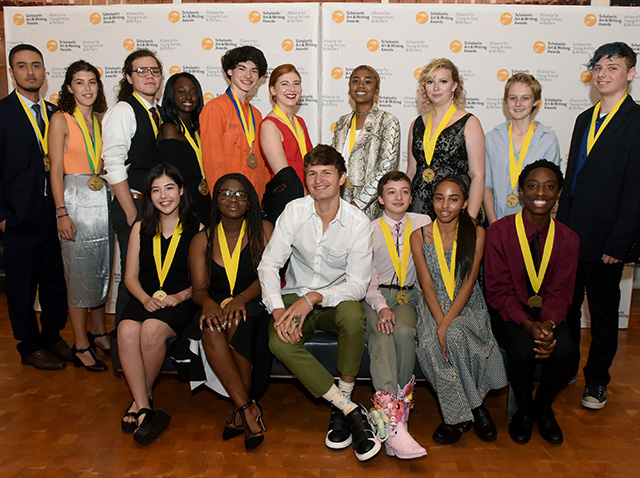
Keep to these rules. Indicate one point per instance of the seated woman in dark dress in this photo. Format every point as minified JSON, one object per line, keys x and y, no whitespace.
{"x":234,"y":342}
{"x":179,"y":138}
{"x":160,"y":307}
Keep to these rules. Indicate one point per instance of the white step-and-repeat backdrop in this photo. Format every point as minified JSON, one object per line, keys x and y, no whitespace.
{"x":487,"y":42}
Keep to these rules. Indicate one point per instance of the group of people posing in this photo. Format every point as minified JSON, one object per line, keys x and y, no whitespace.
{"x":240,"y":239}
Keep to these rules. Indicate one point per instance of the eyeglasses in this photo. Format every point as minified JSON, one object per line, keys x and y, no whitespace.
{"x":145,"y":70}
{"x":227,"y":194}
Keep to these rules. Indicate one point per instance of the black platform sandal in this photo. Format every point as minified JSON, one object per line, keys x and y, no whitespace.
{"x":231,"y":430}
{"x":92,"y":342}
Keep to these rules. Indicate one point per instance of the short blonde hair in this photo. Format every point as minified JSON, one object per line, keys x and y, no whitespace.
{"x":526,"y":80}
{"x":459,"y":95}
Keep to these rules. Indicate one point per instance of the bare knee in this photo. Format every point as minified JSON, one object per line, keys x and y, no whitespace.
{"x":153,"y":333}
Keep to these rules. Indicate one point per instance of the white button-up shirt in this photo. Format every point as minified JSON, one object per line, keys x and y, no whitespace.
{"x":118,"y":129}
{"x":336,"y":263}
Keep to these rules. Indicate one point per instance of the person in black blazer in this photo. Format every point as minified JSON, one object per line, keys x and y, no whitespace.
{"x":601,"y":203}
{"x":28,"y":217}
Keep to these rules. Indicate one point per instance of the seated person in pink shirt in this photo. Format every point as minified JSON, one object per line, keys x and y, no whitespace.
{"x":530,"y":266}
{"x":390,"y":309}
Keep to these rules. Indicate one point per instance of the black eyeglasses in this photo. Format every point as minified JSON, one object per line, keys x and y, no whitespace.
{"x":144,"y":71}
{"x":227,"y":194}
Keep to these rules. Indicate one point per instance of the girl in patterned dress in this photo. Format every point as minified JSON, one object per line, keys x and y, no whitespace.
{"x":456,"y":348}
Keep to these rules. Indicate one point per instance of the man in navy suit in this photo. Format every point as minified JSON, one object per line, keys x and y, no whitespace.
{"x":601,"y":203}
{"x":27,"y":217}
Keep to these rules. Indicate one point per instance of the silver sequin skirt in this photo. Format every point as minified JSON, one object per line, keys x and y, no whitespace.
{"x":87,"y":262}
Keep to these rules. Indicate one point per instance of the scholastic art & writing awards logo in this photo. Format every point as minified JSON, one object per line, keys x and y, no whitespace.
{"x":174,"y":16}
{"x":254,"y":16}
{"x":337,"y":73}
{"x":506,"y":18}
{"x":502,"y":75}
{"x":539,"y":47}
{"x":95,"y":18}
{"x":128,"y":44}
{"x":338,"y":16}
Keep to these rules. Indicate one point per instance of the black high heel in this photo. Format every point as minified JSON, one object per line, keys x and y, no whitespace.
{"x":231,"y":430}
{"x":126,"y":425}
{"x":92,"y":342}
{"x":252,"y":440}
{"x":98,"y":365}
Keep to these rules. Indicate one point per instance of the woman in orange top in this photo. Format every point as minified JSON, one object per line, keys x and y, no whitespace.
{"x":228,"y":123}
{"x":82,"y":206}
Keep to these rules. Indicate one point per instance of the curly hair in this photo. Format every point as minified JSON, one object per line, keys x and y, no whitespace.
{"x":67,"y":102}
{"x":459,"y":95}
{"x":241,"y":54}
{"x":126,"y":88}
{"x":253,"y":216}
{"x":170,"y":110}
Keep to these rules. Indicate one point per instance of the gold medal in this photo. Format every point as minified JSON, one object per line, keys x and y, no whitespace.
{"x":252,"y":160}
{"x":428,"y":175}
{"x":203,"y":187}
{"x":348,"y":184}
{"x":47,"y":162}
{"x":95,"y":183}
{"x":159,"y":295}
{"x":512,"y":200}
{"x":535,"y":301}
{"x":402,"y":297}
{"x":225,"y":302}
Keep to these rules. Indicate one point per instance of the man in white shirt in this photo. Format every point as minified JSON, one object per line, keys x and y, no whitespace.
{"x":328,"y":244}
{"x":129,"y":150}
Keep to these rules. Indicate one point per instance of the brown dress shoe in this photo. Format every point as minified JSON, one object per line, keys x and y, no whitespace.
{"x":61,"y":350}
{"x":43,"y":360}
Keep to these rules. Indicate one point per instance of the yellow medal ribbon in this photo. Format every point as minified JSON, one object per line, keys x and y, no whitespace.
{"x":247,"y":126}
{"x":231,"y":260}
{"x":536,"y":279}
{"x":428,"y":141}
{"x":93,"y":152}
{"x":45,"y":117}
{"x":153,"y":123}
{"x":352,"y":133}
{"x":592,"y":137}
{"x":448,"y":273}
{"x":515,"y":166}
{"x":195,"y":144}
{"x":163,"y":267}
{"x":400,"y":266}
{"x":297,"y":132}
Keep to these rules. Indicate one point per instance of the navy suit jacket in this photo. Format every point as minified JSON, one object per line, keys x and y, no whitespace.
{"x":605,"y":208}
{"x":23,"y":178}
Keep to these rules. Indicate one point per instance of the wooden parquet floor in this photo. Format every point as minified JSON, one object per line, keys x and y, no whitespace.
{"x":66,"y":424}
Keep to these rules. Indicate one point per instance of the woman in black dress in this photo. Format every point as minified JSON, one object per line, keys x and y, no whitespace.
{"x":179,"y":138}
{"x":160,"y":307}
{"x":234,"y":324}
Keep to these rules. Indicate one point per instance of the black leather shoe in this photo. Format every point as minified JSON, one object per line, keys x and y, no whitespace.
{"x":521,"y":427}
{"x":549,"y":428}
{"x":483,"y":424}
{"x":43,"y":360}
{"x":61,"y":350}
{"x":363,"y":439}
{"x":339,"y":434}
{"x":449,"y":434}
{"x":92,"y":342}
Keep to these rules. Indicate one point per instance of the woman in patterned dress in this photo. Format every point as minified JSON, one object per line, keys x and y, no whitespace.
{"x":456,"y":348}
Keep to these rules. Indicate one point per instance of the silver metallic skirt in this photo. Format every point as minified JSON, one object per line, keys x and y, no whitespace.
{"x":87,"y":262}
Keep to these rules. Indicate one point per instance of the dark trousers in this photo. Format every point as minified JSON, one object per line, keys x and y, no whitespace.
{"x":123,"y":231}
{"x":602,"y":283}
{"x":521,"y":364}
{"x":33,"y":262}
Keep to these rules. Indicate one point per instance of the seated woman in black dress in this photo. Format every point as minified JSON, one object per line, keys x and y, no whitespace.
{"x":179,"y":138}
{"x":160,"y":307}
{"x":234,"y":325}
